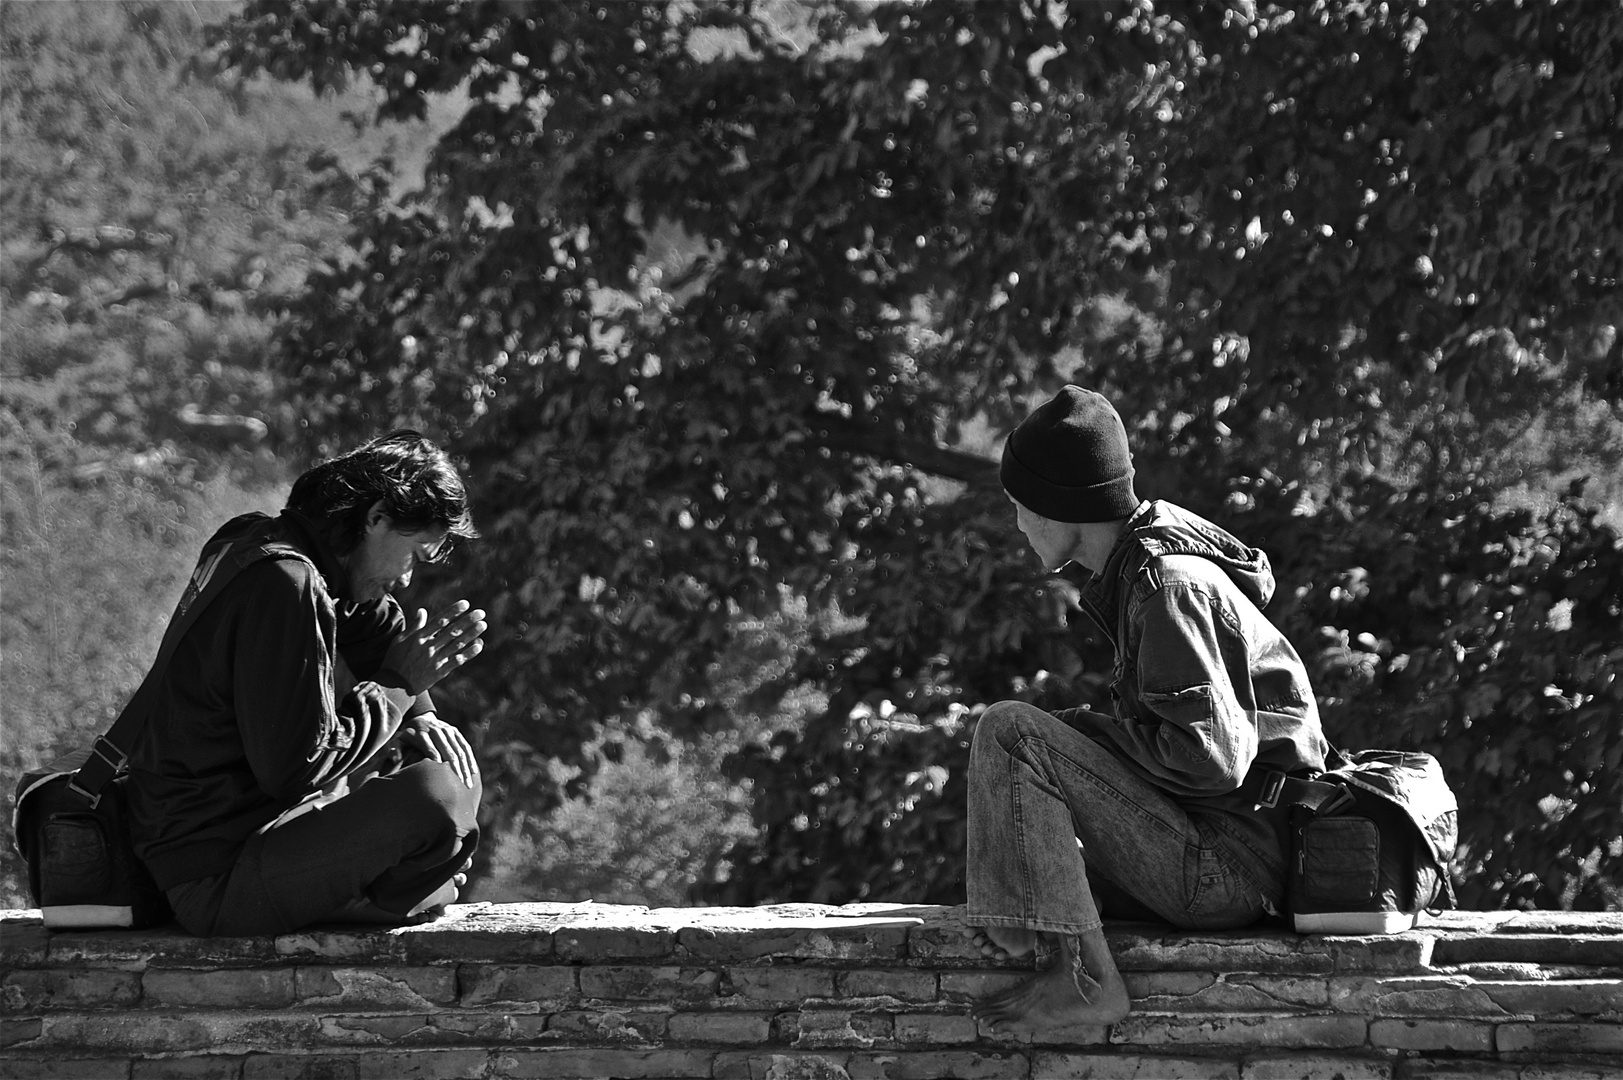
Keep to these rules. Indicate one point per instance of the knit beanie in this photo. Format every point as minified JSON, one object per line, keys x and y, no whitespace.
{"x":1068,"y":460}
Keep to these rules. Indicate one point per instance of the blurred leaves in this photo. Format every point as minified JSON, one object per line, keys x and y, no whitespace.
{"x":723,"y":299}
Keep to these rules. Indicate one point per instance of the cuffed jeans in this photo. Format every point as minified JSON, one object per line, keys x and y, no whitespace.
{"x":392,"y":840}
{"x":1037,"y":786}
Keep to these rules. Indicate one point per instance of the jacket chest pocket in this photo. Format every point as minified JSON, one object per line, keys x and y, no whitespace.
{"x":1124,"y":693}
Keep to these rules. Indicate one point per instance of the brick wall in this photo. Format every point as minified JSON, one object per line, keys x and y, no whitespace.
{"x":799,"y":992}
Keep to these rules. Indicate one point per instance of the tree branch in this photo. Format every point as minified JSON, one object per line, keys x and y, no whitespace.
{"x":101,"y":240}
{"x":839,"y":434}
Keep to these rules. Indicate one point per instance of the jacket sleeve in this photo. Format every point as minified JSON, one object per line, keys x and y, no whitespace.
{"x":366,"y":630}
{"x":1192,"y":732}
{"x":282,"y":684}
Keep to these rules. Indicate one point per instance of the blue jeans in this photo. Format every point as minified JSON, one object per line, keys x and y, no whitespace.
{"x":1037,"y":786}
{"x":394,"y":840}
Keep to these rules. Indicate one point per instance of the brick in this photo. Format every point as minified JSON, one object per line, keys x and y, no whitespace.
{"x":790,"y":984}
{"x":567,"y":1063}
{"x":23,"y":944}
{"x":130,"y":1032}
{"x":1239,"y":994}
{"x":1085,"y":1066}
{"x":939,"y":1065}
{"x":375,"y":988}
{"x":65,"y":1068}
{"x":1244,"y":1029}
{"x":370,"y":1065}
{"x":1530,"y":948}
{"x":41,"y":990}
{"x":934,"y":1029}
{"x":349,"y":946}
{"x":1395,"y":953}
{"x":136,"y":949}
{"x":857,"y":942}
{"x":429,"y":1029}
{"x":369,"y":1029}
{"x":1461,"y":1035}
{"x":1569,"y":1072}
{"x":730,"y":1028}
{"x":1150,"y":984}
{"x":939,"y":943}
{"x":1409,"y":1067}
{"x":1316,"y":1068}
{"x":944,"y":934}
{"x":754,"y":1065}
{"x":1578,"y":997}
{"x":1287,"y":990}
{"x":902,"y":985}
{"x":1262,"y":952}
{"x":203,"y":1067}
{"x":1072,"y":1035}
{"x":1359,"y":993}
{"x":487,"y":1027}
{"x":974,"y":985}
{"x":842,"y":1028}
{"x":1440,"y":995}
{"x":524,"y":984}
{"x":1589,"y":1038}
{"x":507,"y":933}
{"x":863,"y":932}
{"x":608,"y":1025}
{"x":613,"y":942}
{"x":615,"y":982}
{"x":147,"y":1033}
{"x":13,"y":1032}
{"x":231,"y":988}
{"x":1563,"y":922}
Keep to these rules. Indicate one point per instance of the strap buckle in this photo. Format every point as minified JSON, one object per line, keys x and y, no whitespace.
{"x":1343,"y":799}
{"x":105,"y":762}
{"x":101,"y":747}
{"x":93,"y":800}
{"x":1273,"y":785}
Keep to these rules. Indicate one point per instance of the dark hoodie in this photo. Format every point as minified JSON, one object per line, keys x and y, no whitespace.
{"x":246,"y":725}
{"x":1209,"y":695}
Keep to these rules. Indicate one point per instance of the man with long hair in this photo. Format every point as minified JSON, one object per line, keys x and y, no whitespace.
{"x":293,"y":769}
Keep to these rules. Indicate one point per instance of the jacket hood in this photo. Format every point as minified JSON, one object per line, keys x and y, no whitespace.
{"x":1165,"y":529}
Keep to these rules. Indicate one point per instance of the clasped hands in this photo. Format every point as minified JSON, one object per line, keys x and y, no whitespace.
{"x":431,"y":649}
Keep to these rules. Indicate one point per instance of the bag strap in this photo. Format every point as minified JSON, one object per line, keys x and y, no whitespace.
{"x":217,"y":566}
{"x":1320,"y":796}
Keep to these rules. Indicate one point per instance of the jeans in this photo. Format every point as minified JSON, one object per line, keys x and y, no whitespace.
{"x":1038,"y":787}
{"x":393,"y":840}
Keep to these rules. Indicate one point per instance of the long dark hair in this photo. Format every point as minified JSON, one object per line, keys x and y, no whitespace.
{"x":415,"y":479}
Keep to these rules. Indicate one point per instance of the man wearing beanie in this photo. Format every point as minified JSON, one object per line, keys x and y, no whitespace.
{"x":1149,"y":811}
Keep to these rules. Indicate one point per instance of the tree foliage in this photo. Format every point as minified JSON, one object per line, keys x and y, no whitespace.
{"x":718,"y":299}
{"x":152,"y":223}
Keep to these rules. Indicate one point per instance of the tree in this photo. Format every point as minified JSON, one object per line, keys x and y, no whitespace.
{"x":152,"y":224}
{"x":723,"y":298}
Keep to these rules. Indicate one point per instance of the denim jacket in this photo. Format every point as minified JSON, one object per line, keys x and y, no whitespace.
{"x":1208,"y":694}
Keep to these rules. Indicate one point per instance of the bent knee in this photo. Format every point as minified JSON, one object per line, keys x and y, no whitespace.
{"x":431,"y":796}
{"x":1004,"y":728}
{"x":1005,"y":723}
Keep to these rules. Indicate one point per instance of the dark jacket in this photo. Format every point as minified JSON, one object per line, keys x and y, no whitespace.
{"x":246,"y":725}
{"x":1209,"y":695}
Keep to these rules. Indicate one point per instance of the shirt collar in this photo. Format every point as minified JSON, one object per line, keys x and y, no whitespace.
{"x":312,"y":537}
{"x":1103,"y":590}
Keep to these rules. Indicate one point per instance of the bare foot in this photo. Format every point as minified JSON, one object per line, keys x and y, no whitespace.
{"x":1004,"y":942}
{"x":433,"y":905}
{"x":363,"y":910}
{"x":1065,"y":995}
